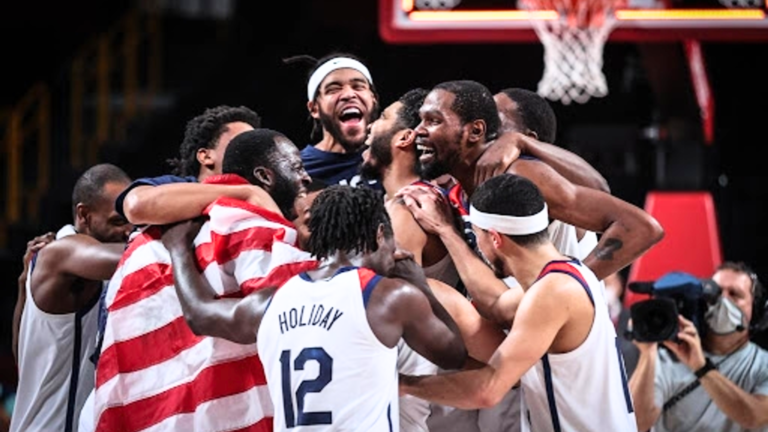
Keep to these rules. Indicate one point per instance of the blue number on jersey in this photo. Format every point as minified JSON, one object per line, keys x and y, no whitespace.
{"x":316,"y":385}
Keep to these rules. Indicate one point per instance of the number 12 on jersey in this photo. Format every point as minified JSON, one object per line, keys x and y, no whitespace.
{"x":325,"y":375}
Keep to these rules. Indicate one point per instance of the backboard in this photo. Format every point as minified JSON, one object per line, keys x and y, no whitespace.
{"x":491,"y":21}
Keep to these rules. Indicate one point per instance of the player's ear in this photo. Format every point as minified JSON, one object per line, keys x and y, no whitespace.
{"x":532,"y":134}
{"x":476,"y":131}
{"x":205,"y":157}
{"x":314,"y":109}
{"x":82,"y":214}
{"x":265,"y":176}
{"x":380,"y":237}
{"x":495,"y":238}
{"x":407,"y":137}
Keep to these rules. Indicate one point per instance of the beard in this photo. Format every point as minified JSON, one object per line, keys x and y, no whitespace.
{"x":437,"y":166}
{"x":433,"y":169}
{"x":380,"y":157}
{"x":333,"y":126}
{"x":284,"y":193}
{"x":497,"y":265}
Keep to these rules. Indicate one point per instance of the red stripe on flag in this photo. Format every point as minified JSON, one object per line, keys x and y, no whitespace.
{"x":243,"y":205}
{"x":225,"y":179}
{"x":225,"y":248}
{"x":214,"y":382}
{"x":146,"y":350}
{"x":148,"y":235}
{"x":264,"y":425}
{"x":141,"y":284}
{"x":277,"y":276}
{"x":365,"y":275}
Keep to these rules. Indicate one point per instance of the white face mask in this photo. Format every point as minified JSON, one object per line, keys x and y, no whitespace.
{"x":724,"y":317}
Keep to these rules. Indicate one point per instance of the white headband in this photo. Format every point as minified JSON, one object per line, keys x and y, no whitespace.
{"x":331,"y":65}
{"x":512,"y":225}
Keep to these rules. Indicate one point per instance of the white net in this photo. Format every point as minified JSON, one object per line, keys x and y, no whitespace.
{"x":573,"y":55}
{"x":742,"y":3}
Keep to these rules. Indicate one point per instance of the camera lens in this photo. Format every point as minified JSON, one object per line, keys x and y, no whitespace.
{"x":654,"y":320}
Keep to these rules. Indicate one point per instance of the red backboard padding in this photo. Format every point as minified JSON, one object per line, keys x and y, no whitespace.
{"x":691,"y":241}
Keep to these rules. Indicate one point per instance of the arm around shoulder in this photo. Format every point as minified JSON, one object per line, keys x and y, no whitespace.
{"x":175,"y":202}
{"x":83,"y":256}
{"x":568,"y":164}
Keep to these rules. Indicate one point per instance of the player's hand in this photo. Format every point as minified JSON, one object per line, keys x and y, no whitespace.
{"x":430,"y":209}
{"x":181,"y":234}
{"x":498,"y":156}
{"x":33,"y":247}
{"x":688,"y":349}
{"x":410,"y":271}
{"x":402,"y":254}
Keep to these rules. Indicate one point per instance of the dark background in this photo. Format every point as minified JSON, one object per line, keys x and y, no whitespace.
{"x":238,"y":60}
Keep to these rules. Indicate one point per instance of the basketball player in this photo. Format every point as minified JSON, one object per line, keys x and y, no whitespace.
{"x":529,"y":127}
{"x":33,"y":246}
{"x":466,"y":109}
{"x":562,"y":346}
{"x":391,"y":158}
{"x":342,"y":101}
{"x":327,"y":338}
{"x":251,"y":246}
{"x":182,"y":195}
{"x":57,"y":331}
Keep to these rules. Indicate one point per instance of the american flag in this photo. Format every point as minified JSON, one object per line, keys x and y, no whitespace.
{"x":154,"y":374}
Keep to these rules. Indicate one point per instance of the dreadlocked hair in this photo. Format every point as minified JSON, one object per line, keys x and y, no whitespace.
{"x":346,"y":219}
{"x":204,"y":131}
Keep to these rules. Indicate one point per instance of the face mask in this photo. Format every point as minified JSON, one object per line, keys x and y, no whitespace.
{"x":724,"y":317}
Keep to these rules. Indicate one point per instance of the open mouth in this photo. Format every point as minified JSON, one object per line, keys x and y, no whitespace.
{"x":351,"y":115}
{"x":426,"y":154}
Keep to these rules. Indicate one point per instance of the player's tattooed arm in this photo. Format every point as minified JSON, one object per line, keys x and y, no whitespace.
{"x":626,"y":231}
{"x":607,"y":249}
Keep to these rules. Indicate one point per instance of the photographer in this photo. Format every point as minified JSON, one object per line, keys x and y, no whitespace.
{"x":716,"y":383}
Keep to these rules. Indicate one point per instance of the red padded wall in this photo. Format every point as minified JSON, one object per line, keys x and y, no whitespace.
{"x":691,"y":242}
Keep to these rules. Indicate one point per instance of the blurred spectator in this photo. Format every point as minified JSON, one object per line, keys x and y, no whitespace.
{"x":716,"y":382}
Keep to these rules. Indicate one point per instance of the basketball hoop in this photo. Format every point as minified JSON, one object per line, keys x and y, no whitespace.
{"x":742,"y":3}
{"x":573,"y":47}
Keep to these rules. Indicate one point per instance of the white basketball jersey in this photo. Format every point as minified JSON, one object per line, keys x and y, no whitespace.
{"x":564,"y":237}
{"x":586,"y":244}
{"x":584,"y":389}
{"x":55,"y":372}
{"x":413,"y":411}
{"x":326,"y":369}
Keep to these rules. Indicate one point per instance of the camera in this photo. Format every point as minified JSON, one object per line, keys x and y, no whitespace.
{"x":675,"y":293}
